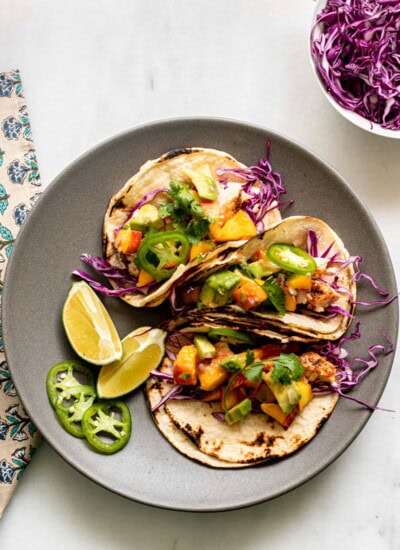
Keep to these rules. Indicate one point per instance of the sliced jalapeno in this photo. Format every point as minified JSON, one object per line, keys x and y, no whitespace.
{"x":99,"y":423}
{"x":160,"y":254}
{"x":63,"y":376}
{"x":292,"y":258}
{"x":70,"y":406}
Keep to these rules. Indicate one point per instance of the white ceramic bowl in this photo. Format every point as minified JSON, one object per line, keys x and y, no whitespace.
{"x":356,"y":119}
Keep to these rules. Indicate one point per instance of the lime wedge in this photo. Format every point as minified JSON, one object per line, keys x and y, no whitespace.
{"x":89,"y":327}
{"x":143,"y":350}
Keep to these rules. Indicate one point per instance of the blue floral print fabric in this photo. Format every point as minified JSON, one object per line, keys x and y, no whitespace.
{"x":19,"y":189}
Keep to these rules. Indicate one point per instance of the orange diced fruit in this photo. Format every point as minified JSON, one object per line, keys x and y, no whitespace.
{"x":144,"y":278}
{"x":196,"y":250}
{"x":306,"y":393}
{"x":249,"y":295}
{"x":290,"y":301}
{"x":128,"y":241}
{"x":301,"y":282}
{"x":274,"y":410}
{"x":239,"y":227}
{"x":211,"y":375}
{"x":185,"y":364}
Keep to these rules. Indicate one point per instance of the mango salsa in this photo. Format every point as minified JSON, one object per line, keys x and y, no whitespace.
{"x":185,"y":364}
{"x":239,"y":227}
{"x":201,"y":248}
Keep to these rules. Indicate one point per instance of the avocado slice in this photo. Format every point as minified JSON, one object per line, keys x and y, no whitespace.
{"x":262,"y":268}
{"x":218,"y":288}
{"x":287,"y":395}
{"x":202,"y":179}
{"x":146,"y":216}
{"x":238,"y":412}
{"x":204,"y":347}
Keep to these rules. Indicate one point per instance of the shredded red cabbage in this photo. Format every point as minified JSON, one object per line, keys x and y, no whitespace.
{"x":312,"y":243}
{"x":355,"y":48}
{"x":341,"y":311}
{"x":358,"y":275}
{"x":171,"y":394}
{"x":346,"y":377}
{"x":119,"y":276}
{"x":163,"y":375}
{"x":264,"y":189}
{"x":219,"y":416}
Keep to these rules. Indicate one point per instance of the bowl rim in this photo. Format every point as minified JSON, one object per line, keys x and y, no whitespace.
{"x":356,"y":119}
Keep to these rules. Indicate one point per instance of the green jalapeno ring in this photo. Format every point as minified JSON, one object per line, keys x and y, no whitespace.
{"x":160,"y":249}
{"x":292,"y":258}
{"x":61,"y":377}
{"x":70,"y":414}
{"x":71,"y":426}
{"x":99,"y":419}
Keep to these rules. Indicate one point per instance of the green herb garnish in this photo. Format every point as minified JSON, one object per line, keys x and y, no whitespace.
{"x":275,"y":294}
{"x":185,"y":211}
{"x":251,"y":370}
{"x":286,"y":369}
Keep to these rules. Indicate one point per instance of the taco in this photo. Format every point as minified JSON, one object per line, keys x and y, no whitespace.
{"x":227,"y":399}
{"x":294,"y":280}
{"x":186,"y":206}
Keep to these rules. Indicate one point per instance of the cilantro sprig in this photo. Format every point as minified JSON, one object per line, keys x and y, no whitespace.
{"x":251,"y":369}
{"x":275,"y":294}
{"x":185,"y":211}
{"x":287,"y":367}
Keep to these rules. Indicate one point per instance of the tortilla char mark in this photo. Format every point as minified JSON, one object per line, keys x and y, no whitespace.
{"x":193,"y":435}
{"x":177,"y":152}
{"x":264,"y":439}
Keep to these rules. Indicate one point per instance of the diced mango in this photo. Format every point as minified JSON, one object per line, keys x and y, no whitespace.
{"x":301,"y":282}
{"x":237,"y":228}
{"x":211,"y":375}
{"x":184,"y":370}
{"x":290,"y":301}
{"x":144,"y":278}
{"x":201,"y":248}
{"x":274,"y":410}
{"x":306,"y":393}
{"x":249,"y":295}
{"x":128,"y":241}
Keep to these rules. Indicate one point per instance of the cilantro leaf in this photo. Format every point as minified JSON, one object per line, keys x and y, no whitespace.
{"x":232,"y":364}
{"x":249,"y":358}
{"x":287,"y":368}
{"x":254,"y":372}
{"x":275,"y":294}
{"x":185,"y":211}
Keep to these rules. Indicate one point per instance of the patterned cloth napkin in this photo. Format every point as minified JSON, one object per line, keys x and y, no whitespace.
{"x":19,"y":189}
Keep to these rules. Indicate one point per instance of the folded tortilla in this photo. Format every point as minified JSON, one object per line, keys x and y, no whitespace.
{"x":191,"y":428}
{"x":303,"y":324}
{"x":157,"y":174}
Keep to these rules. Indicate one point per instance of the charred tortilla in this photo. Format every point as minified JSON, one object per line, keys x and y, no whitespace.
{"x":153,"y":175}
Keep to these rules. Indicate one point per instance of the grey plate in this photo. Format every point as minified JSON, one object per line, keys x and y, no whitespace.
{"x":67,"y":221}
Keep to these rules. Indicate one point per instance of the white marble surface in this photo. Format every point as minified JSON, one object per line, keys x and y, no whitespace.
{"x":92,"y":68}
